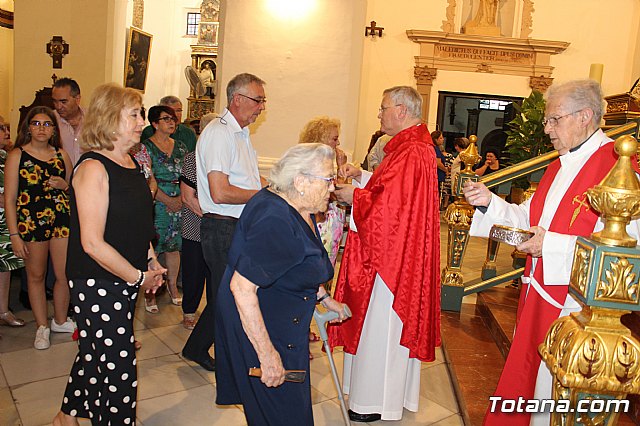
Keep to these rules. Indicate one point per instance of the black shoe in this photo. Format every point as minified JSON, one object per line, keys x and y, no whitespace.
{"x":364,"y":418}
{"x":208,"y":363}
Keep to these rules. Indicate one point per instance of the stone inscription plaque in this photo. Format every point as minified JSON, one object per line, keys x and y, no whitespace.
{"x":484,"y":54}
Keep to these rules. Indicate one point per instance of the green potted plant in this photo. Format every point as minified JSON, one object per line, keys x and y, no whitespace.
{"x":526,"y":137}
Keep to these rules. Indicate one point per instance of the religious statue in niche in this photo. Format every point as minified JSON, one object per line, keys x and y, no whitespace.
{"x":208,"y":77}
{"x":485,"y":20}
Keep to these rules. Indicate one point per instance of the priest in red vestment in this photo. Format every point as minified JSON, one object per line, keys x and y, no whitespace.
{"x":558,"y":213}
{"x":389,"y":274}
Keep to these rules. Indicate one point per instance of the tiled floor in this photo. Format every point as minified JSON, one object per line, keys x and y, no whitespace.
{"x":175,"y":391}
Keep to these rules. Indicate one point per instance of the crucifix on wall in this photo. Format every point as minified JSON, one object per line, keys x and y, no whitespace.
{"x":57,"y":48}
{"x":372,"y":30}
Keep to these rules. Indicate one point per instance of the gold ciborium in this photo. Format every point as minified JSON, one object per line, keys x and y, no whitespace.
{"x":617,"y":197}
{"x":470,"y":156}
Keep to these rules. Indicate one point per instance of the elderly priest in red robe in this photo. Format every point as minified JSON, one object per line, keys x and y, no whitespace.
{"x":389,"y":274}
{"x":557,"y":213}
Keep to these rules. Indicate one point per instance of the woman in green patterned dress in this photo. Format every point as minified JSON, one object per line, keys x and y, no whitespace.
{"x":167,"y":156}
{"x":8,"y":260}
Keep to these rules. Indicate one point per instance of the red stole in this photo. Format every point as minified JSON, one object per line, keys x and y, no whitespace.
{"x":574,"y":216}
{"x":398,"y":238}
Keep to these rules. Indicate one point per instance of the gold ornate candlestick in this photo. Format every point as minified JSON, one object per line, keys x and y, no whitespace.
{"x":591,"y":354}
{"x":458,"y":216}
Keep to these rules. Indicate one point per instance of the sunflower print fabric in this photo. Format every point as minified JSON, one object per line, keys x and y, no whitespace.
{"x":8,"y":260}
{"x":43,"y":211}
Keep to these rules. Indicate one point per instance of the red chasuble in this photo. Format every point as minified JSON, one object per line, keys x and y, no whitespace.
{"x":574,"y":216}
{"x":398,"y":237}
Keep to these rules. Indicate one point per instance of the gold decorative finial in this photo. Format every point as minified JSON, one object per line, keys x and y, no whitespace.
{"x":617,"y":197}
{"x":470,"y":156}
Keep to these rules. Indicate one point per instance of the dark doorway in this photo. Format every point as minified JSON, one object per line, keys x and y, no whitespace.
{"x":483,"y":115}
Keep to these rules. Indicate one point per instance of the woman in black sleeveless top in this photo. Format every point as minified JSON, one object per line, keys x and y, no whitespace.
{"x":109,"y":248}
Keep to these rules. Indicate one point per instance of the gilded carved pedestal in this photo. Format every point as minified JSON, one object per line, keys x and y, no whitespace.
{"x":489,"y":267}
{"x":591,"y":354}
{"x":204,"y":56}
{"x":458,"y":216}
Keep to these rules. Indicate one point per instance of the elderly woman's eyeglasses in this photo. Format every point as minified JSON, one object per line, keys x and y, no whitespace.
{"x":331,"y":180}
{"x":168,"y":119}
{"x":36,"y":123}
{"x":553,"y":121}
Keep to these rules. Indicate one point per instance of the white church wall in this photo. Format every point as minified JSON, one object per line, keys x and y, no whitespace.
{"x":388,"y":61}
{"x":597,"y":33}
{"x":97,"y":32}
{"x":6,"y":65}
{"x":319,"y":63}
{"x":310,"y":62}
{"x":604,"y":33}
{"x":170,"y":49}
{"x":83,"y":25}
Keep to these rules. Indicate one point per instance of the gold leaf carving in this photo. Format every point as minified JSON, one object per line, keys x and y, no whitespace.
{"x":592,"y":360}
{"x":620,"y":283}
{"x":625,"y":365}
{"x":580,"y":269}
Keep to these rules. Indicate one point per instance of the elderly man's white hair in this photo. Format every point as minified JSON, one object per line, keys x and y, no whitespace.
{"x":407,"y":96}
{"x":579,"y":94}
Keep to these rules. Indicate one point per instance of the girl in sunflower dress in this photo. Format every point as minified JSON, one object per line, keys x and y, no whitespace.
{"x":37,"y":173}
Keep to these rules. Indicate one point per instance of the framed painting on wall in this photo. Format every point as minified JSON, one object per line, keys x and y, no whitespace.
{"x":136,"y":64}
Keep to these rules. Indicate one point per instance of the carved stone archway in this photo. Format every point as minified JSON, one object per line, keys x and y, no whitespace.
{"x":473,"y":53}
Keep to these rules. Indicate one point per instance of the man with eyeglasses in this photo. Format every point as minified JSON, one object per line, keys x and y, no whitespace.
{"x":389,"y":275}
{"x":227,"y":177}
{"x":183,"y":132}
{"x":557,"y":213}
{"x":70,"y":115}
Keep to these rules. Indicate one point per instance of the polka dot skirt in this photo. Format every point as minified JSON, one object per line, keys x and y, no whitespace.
{"x":103,"y":381}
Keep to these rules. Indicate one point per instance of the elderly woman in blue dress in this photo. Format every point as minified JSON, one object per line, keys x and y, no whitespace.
{"x":272,"y":283}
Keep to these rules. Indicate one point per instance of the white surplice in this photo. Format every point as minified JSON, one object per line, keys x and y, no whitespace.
{"x":380,"y":377}
{"x":557,"y":249}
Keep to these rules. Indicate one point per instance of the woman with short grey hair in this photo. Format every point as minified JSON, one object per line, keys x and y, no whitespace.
{"x":296,"y":163}
{"x":276,"y":265}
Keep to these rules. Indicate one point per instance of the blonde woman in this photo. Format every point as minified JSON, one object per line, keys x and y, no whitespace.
{"x":110,"y":260}
{"x":326,"y":131}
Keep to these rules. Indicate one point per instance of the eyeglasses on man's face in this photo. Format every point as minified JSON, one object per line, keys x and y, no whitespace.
{"x":331,"y":180}
{"x":383,"y":108}
{"x":46,"y":124}
{"x":256,"y":100}
{"x":168,"y":119}
{"x":553,"y":121}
